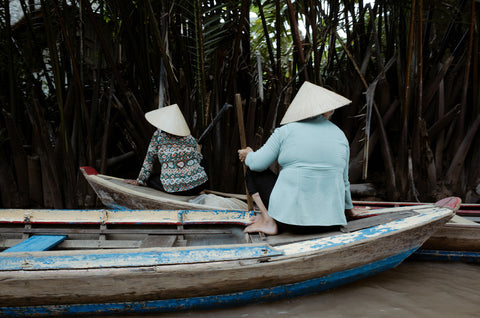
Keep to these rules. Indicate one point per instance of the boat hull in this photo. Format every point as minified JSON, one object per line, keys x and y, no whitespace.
{"x":160,"y":279}
{"x":116,"y":194}
{"x":453,"y":242}
{"x":456,"y":241}
{"x":188,"y":285}
{"x":259,"y":295}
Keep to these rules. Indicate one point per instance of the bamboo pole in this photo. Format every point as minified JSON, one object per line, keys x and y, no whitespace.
{"x":243,"y":141}
{"x":296,"y":37}
{"x":158,"y":39}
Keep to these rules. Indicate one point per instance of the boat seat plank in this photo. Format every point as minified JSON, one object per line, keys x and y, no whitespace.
{"x":363,"y":223}
{"x":37,"y":243}
{"x":159,"y":241}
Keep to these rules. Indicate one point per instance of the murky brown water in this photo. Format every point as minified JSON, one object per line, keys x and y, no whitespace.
{"x":413,"y":289}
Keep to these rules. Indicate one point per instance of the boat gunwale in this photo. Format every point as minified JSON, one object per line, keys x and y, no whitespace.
{"x":205,"y":265}
{"x":289,"y":250}
{"x":303,"y":267}
{"x":111,"y":217}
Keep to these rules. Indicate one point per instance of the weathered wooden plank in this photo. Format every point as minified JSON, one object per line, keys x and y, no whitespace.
{"x":447,"y":256}
{"x":95,"y":244}
{"x":37,"y":243}
{"x":133,"y":258}
{"x":352,"y":226}
{"x":173,"y":217}
{"x":364,"y":223}
{"x":113,"y":231}
{"x":159,"y":241}
{"x":455,"y":237}
{"x":83,"y":244}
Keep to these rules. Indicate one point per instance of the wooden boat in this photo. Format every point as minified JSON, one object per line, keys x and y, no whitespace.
{"x":180,"y":260}
{"x":454,"y":242}
{"x":116,"y":194}
{"x":470,"y":211}
{"x":458,"y":240}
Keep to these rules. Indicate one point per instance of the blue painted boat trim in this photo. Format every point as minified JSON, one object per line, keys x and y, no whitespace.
{"x":215,"y":301}
{"x":446,"y":256}
{"x":148,"y":257}
{"x":37,"y":243}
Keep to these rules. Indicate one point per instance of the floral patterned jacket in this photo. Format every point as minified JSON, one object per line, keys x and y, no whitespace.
{"x":179,"y":159}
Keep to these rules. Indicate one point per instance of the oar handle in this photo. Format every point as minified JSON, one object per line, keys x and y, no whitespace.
{"x":243,"y":141}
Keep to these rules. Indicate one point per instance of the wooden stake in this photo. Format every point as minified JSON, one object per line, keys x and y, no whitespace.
{"x":243,"y":141}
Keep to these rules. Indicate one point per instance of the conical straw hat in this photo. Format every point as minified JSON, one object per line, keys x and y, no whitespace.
{"x":312,"y":100}
{"x":169,"y":119}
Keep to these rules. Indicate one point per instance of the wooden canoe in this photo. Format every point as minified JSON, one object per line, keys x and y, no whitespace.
{"x":183,"y":260}
{"x":118,"y":195}
{"x":458,"y":240}
{"x":470,"y":211}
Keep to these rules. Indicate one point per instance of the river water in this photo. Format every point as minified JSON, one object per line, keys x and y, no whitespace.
{"x":413,"y":289}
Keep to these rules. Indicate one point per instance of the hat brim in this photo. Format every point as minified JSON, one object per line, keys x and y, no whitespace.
{"x":312,"y":100}
{"x":169,"y":119}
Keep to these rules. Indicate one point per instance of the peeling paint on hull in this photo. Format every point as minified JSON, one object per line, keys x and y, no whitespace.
{"x":161,"y":279}
{"x":214,"y":301}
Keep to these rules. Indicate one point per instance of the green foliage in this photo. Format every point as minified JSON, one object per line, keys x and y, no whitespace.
{"x":258,"y":33}
{"x":85,"y":84}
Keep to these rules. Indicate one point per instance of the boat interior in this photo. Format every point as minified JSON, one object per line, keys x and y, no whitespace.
{"x":141,"y":235}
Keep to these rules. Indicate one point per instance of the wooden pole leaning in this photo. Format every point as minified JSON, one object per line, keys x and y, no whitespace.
{"x":243,"y":142}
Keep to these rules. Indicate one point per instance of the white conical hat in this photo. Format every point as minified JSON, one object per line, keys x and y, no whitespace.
{"x":312,"y":100}
{"x":169,"y":119}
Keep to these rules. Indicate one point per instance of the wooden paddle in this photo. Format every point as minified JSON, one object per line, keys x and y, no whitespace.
{"x":228,"y":195}
{"x":243,"y":141}
{"x":214,"y":122}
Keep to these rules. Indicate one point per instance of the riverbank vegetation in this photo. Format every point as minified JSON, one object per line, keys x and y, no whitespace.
{"x":77,"y":77}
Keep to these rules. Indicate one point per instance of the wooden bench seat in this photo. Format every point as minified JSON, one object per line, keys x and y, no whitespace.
{"x":37,"y":243}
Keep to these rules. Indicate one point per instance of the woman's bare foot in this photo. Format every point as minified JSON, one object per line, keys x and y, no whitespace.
{"x":256,"y":218}
{"x":355,"y":213}
{"x":264,"y":225}
{"x":261,"y":222}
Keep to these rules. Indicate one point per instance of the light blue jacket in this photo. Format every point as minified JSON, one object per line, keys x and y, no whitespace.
{"x":312,"y":187}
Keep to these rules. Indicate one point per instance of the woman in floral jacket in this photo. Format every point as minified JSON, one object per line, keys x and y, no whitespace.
{"x":177,"y":152}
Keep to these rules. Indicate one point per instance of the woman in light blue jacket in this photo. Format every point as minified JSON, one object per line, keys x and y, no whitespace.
{"x":312,"y":190}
